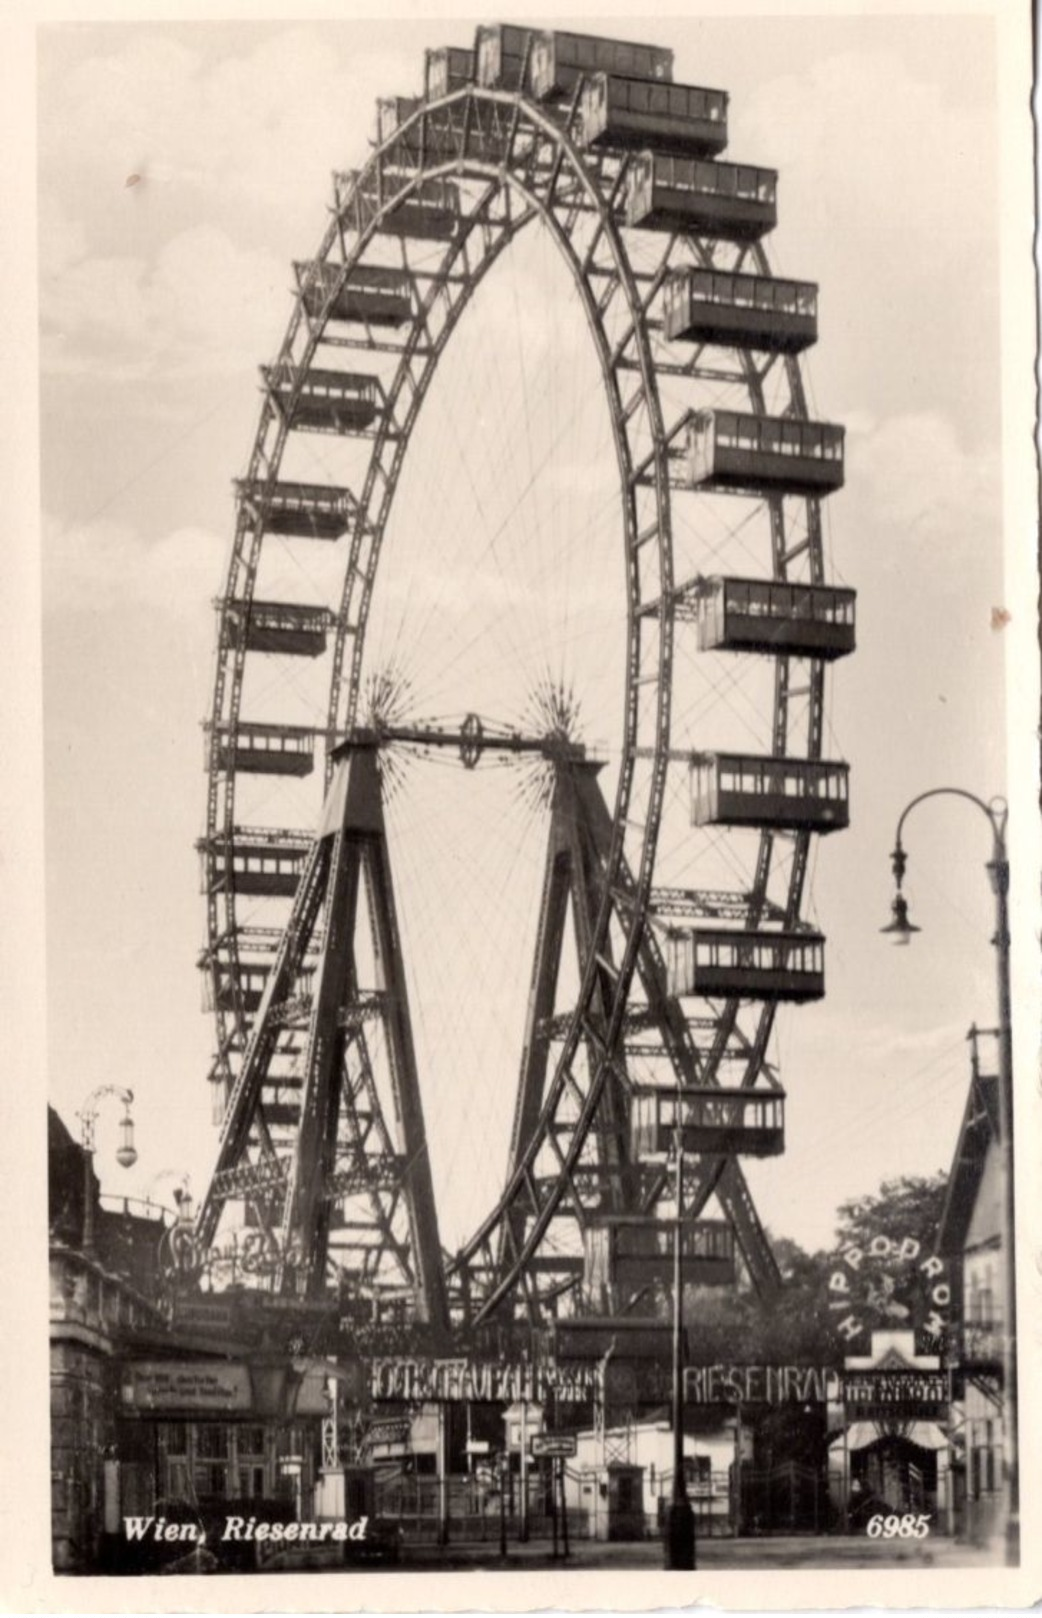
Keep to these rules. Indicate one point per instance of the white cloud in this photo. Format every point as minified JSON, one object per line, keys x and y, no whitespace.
{"x":244,"y":128}
{"x":911,"y":165}
{"x":196,"y":309}
{"x":62,"y":239}
{"x":107,"y":566}
{"x":922,"y":483}
{"x":164,"y":278}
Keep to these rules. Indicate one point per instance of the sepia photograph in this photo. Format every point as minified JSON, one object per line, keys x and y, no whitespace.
{"x":537,"y":542}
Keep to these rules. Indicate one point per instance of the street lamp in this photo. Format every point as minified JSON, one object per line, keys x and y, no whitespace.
{"x":182,"y":1194}
{"x":997,"y":813}
{"x":126,"y":1153}
{"x":680,"y":1519}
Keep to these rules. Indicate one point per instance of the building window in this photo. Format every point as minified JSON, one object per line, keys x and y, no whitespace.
{"x":211,"y":1443}
{"x":250,"y":1441}
{"x":211,"y":1480}
{"x":251,"y":1482}
{"x":218,"y":1459}
{"x":291,"y":1441}
{"x":176,"y":1438}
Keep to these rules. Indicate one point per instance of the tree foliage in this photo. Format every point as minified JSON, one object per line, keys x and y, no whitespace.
{"x":908,"y":1206}
{"x":797,"y":1326}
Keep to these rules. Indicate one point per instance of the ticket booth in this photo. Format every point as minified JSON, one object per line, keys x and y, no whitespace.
{"x":616,"y":1511}
{"x":892,"y":1455}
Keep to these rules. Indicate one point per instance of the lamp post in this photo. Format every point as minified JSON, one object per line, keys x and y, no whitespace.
{"x":182,"y":1193}
{"x":997,"y":814}
{"x":126,"y":1153}
{"x":680,"y":1519}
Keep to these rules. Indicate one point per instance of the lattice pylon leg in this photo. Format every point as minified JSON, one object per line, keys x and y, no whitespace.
{"x":332,"y":1154}
{"x":577,"y":854}
{"x":569,"y":876}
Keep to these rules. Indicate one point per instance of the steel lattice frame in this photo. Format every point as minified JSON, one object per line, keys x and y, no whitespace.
{"x":517,"y":163}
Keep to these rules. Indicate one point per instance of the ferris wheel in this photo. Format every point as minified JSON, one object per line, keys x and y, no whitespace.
{"x":516,"y":751}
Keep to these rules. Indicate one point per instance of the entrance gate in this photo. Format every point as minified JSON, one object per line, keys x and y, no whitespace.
{"x":788,"y":1498}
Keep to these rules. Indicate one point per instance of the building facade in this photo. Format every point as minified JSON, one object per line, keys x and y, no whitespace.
{"x":154,"y":1412}
{"x":971,"y":1237}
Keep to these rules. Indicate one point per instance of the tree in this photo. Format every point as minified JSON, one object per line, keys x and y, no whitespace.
{"x":886,"y":1273}
{"x":908,"y":1206}
{"x":789,"y":1329}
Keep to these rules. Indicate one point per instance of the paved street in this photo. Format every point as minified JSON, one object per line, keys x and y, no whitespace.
{"x":776,"y":1552}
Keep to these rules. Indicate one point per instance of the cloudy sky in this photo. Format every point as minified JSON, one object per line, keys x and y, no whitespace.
{"x":181,"y":169}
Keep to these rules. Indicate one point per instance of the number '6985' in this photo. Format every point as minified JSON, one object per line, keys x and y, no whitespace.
{"x":909,"y":1526}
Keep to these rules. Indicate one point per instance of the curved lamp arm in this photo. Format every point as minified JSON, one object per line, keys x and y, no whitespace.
{"x":126,"y":1156}
{"x":997,"y":812}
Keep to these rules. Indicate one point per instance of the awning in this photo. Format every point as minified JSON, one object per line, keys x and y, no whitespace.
{"x":861,"y":1434}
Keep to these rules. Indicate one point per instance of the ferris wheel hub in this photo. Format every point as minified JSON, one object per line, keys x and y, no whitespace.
{"x":472,"y":737}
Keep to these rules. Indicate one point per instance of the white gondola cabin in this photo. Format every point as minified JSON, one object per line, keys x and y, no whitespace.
{"x":722,"y":963}
{"x":733,"y":201}
{"x":749,"y":1123}
{"x":740,"y":311}
{"x":372,"y":295}
{"x":299,"y":510}
{"x":430,"y":213}
{"x":635,"y":1249}
{"x":278,"y":626}
{"x":591,"y":1337}
{"x":256,"y":861}
{"x":324,"y":401}
{"x":500,"y":51}
{"x":771,"y":616}
{"x":636,"y":114}
{"x":251,"y":980}
{"x":257,"y":749}
{"x":281,"y":1114}
{"x":430,"y":138}
{"x":559,"y":60}
{"x":731,"y":451}
{"x":448,"y":68}
{"x":743,"y":789}
{"x":392,"y":112}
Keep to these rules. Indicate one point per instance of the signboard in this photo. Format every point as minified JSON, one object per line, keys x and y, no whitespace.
{"x":422,"y":1379}
{"x":388,"y":1432}
{"x":554,"y":1444}
{"x":200,"y":1312}
{"x":923,"y":1394}
{"x":215,"y":1385}
{"x":760,"y":1384}
{"x":889,"y":1283}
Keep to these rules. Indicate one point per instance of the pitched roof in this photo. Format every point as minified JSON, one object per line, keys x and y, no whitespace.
{"x":980,"y":1127}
